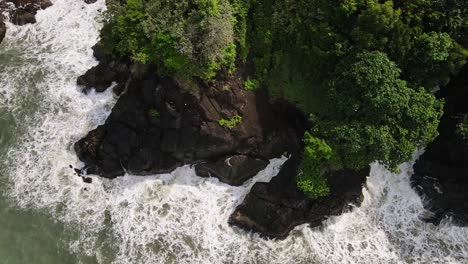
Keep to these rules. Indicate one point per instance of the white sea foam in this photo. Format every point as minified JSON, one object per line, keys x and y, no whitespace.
{"x":177,"y":217}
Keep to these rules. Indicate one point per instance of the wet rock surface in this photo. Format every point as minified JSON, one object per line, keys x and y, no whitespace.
{"x":101,"y":76}
{"x":25,"y":10}
{"x":441,"y":173}
{"x":234,"y":170}
{"x":2,"y":29}
{"x":273,"y":209}
{"x":21,"y":12}
{"x":156,"y":126}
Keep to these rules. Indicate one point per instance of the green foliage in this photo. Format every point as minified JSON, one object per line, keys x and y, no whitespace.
{"x":185,"y":39}
{"x":441,"y":57}
{"x":462,"y":128}
{"x":153,"y":113}
{"x":442,"y":16}
{"x":250,"y":85}
{"x":374,"y":115}
{"x":230,"y":123}
{"x":310,"y":179}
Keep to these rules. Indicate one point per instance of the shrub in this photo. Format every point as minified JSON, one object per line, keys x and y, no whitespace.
{"x":310,"y":179}
{"x":250,"y":84}
{"x":371,"y":114}
{"x":230,"y":123}
{"x":153,"y":113}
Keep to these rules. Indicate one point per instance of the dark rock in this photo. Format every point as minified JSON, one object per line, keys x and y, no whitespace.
{"x":22,"y":16}
{"x":90,"y":1}
{"x":87,"y":180}
{"x":274,"y":209}
{"x":45,"y":4}
{"x":87,"y":148}
{"x":234,"y":170}
{"x":155,"y":126}
{"x":441,"y":173}
{"x":25,"y":10}
{"x":2,"y":29}
{"x":42,"y":4}
{"x":101,"y":76}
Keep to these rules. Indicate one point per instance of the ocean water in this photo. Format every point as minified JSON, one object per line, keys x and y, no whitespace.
{"x":49,"y":215}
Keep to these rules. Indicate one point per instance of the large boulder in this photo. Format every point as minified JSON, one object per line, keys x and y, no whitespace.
{"x":156,"y":126}
{"x":441,"y":173}
{"x":273,"y":209}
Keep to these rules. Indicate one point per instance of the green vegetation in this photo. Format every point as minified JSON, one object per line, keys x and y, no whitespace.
{"x":153,"y":113}
{"x":462,"y":128}
{"x":310,"y":179}
{"x":364,"y":70}
{"x":186,"y":39}
{"x":250,"y":85}
{"x":371,"y":114}
{"x":230,"y":123}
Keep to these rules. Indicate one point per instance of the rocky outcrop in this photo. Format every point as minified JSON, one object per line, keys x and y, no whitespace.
{"x":25,"y":10}
{"x":441,"y":173}
{"x":2,"y":29}
{"x":156,"y":126}
{"x":101,"y":76}
{"x":273,"y":209}
{"x":21,"y":12}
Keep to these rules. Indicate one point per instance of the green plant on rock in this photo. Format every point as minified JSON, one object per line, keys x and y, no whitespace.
{"x":153,"y":113}
{"x":230,"y":123}
{"x":310,"y":178}
{"x":250,"y":84}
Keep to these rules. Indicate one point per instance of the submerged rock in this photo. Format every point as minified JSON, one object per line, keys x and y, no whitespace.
{"x":441,"y":173}
{"x":273,"y":209}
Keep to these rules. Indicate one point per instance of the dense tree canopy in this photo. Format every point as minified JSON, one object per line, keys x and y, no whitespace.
{"x":374,"y":115}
